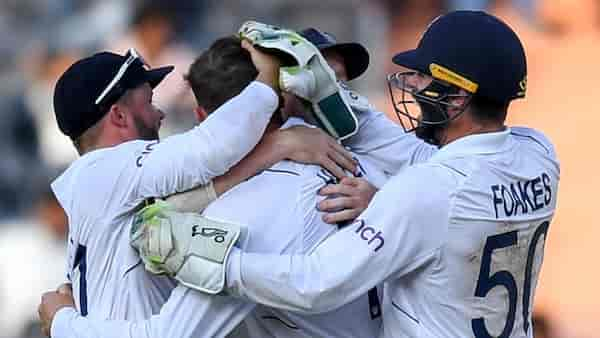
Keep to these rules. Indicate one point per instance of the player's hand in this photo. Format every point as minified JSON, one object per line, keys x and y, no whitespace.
{"x":52,"y":302}
{"x":65,"y":289}
{"x":267,"y":65}
{"x":313,"y":146}
{"x":347,"y":200}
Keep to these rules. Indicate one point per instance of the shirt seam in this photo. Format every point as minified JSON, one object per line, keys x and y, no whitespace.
{"x":451,"y":203}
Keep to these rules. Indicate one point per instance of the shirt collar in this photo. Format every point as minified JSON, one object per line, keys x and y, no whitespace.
{"x":476,"y":144}
{"x":294,"y":121}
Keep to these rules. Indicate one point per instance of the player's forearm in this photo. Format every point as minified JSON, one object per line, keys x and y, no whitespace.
{"x":236,"y":127}
{"x":331,"y":276}
{"x":187,"y":160}
{"x":268,"y":152}
{"x":290,"y":282}
{"x":187,"y":314}
{"x":384,"y":241}
{"x":67,"y":323}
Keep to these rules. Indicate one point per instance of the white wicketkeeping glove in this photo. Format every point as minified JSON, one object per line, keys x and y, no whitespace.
{"x":310,"y":78}
{"x":191,"y":248}
{"x":300,"y":82}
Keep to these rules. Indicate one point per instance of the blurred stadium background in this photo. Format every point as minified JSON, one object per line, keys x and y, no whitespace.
{"x":40,"y":38}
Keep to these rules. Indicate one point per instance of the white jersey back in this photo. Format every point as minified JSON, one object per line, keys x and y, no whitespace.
{"x":506,"y":235}
{"x":360,"y":318}
{"x":482,"y":280}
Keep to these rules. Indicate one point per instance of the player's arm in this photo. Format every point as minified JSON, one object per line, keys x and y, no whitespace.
{"x":383,"y":140}
{"x":184,"y":161}
{"x":397,"y":234}
{"x":187,"y":313}
{"x":298,"y":143}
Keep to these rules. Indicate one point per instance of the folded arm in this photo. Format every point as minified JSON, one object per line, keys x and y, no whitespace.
{"x":187,"y":313}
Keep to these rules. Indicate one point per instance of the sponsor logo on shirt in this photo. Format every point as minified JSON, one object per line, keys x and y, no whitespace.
{"x":372,"y":236}
{"x":139,"y":161}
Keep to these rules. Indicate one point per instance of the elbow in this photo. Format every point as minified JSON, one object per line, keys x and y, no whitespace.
{"x":317,"y":301}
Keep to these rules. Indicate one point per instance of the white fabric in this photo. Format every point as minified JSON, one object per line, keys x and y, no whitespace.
{"x":385,"y":143}
{"x":284,"y":221}
{"x":100,"y":191}
{"x":297,"y":80}
{"x":424,"y":235}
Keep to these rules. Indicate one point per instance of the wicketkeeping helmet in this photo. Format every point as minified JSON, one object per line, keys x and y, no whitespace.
{"x":469,"y":50}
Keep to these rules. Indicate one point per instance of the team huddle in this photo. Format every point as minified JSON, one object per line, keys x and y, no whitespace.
{"x":295,"y":208}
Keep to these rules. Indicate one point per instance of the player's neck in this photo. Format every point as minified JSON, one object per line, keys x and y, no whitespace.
{"x":105,"y":142}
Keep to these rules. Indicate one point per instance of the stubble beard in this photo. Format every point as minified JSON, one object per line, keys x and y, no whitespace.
{"x":145,"y":132}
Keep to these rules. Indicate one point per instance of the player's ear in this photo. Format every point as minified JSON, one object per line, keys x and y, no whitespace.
{"x":201,"y":113}
{"x":118,"y":116}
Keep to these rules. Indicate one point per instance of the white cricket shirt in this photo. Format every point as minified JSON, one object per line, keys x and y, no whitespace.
{"x":385,"y":144}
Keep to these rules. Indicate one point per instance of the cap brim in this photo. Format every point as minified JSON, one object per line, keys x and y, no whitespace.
{"x":411,"y":60}
{"x":155,"y":76}
{"x":355,"y":55}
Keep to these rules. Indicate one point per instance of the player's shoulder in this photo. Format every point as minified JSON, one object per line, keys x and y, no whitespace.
{"x":306,"y":177}
{"x":96,"y":172}
{"x":91,"y":164}
{"x":432,"y":173}
{"x":534,"y":138}
{"x":424,"y":184}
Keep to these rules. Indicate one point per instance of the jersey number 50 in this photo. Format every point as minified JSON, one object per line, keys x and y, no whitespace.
{"x":506,"y":279}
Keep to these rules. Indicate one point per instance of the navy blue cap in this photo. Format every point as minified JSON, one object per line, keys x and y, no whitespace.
{"x":355,"y":55}
{"x":472,"y":50}
{"x":82,"y":83}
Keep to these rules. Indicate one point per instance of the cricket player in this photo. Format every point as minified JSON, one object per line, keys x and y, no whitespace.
{"x":286,"y":220}
{"x":458,"y":240}
{"x":104,"y":104}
